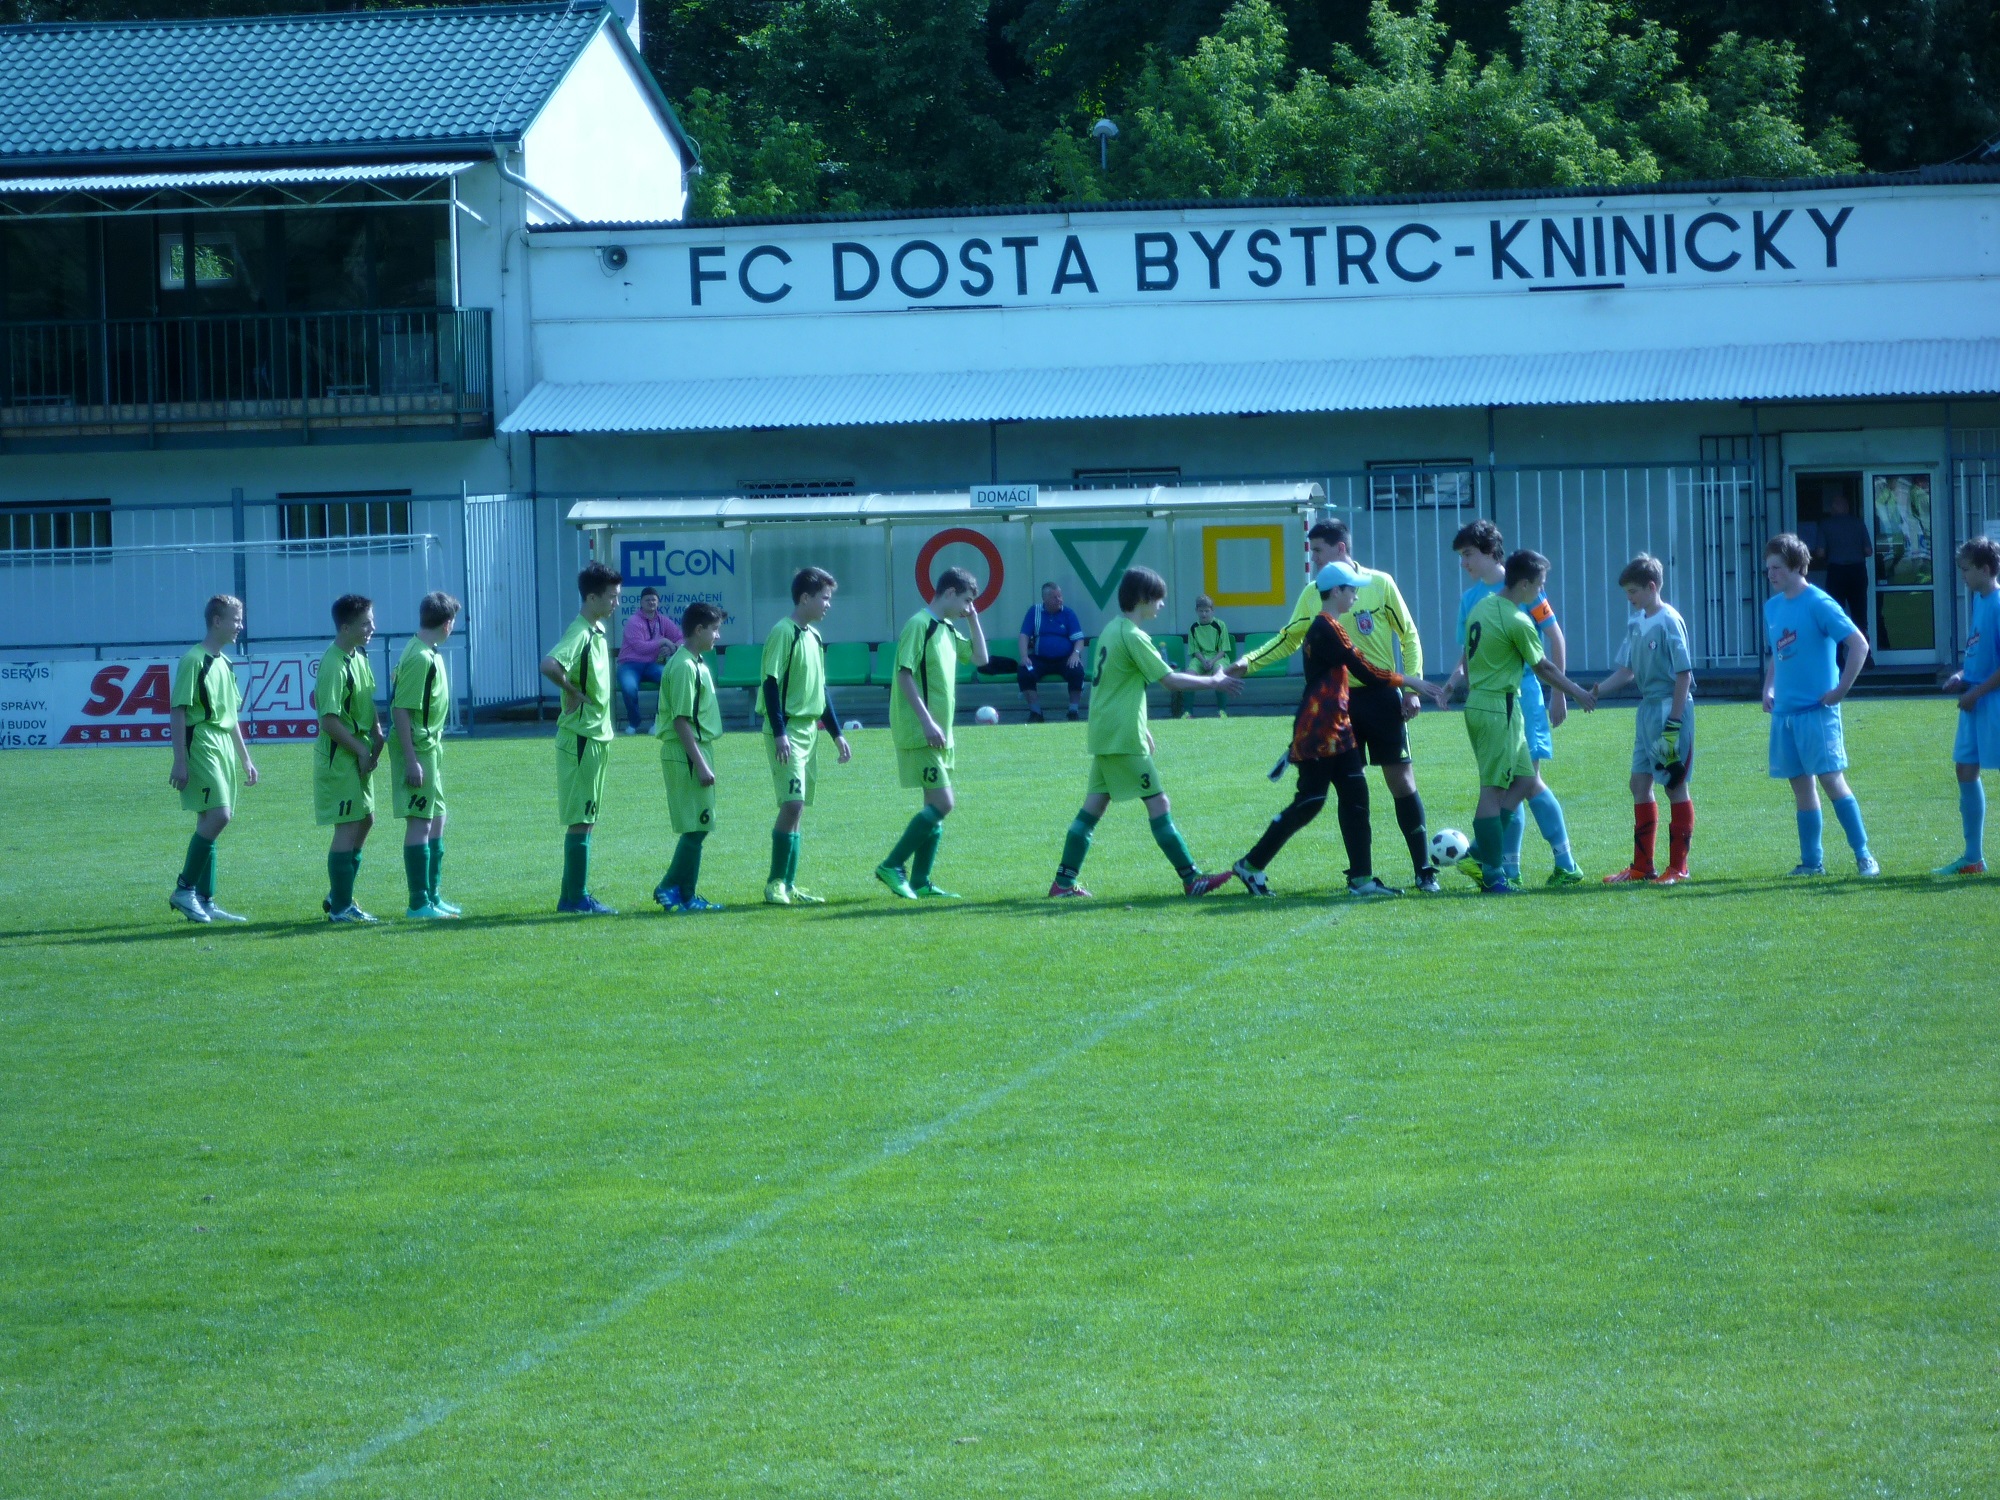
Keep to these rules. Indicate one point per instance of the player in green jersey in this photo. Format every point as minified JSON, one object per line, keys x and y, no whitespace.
{"x":1209,"y":645}
{"x":1500,"y":642}
{"x":922,"y":705}
{"x":212,"y":764}
{"x":419,"y":706}
{"x":689,"y":722}
{"x":1121,"y":746}
{"x":580,"y":664}
{"x":793,"y":702}
{"x":350,"y":745}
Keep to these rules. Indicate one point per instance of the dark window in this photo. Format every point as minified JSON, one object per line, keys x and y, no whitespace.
{"x":341,"y":259}
{"x":794,"y":489}
{"x":1123,"y":479}
{"x":45,"y":271}
{"x":1427,"y":484}
{"x":67,"y":526}
{"x":330,"y":517}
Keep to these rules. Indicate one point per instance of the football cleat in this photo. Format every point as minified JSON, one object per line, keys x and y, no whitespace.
{"x":1199,"y":884}
{"x":585,"y":906}
{"x":896,"y":880}
{"x":1630,"y":875}
{"x":1035,"y":716}
{"x":669,"y":897}
{"x":804,"y":898}
{"x":1804,"y":869}
{"x":696,"y":904}
{"x":352,"y":913}
{"x":1427,"y":882}
{"x":1672,"y":875}
{"x":1867,"y":866}
{"x":775,"y":893}
{"x":1254,"y":880}
{"x":1960,"y":867}
{"x":1060,"y":890}
{"x":1470,"y":868}
{"x":1498,"y":887}
{"x":929,"y":892}
{"x":1073,"y":716}
{"x":1368,"y":888}
{"x":217,"y":914}
{"x":1559,"y":877}
{"x":424,"y":913}
{"x":449,"y":908}
{"x":188,"y":904}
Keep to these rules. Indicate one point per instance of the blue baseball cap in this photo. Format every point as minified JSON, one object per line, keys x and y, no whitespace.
{"x":1337,"y":575}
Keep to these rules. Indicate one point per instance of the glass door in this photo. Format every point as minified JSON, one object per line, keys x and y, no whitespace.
{"x":1901,"y":526}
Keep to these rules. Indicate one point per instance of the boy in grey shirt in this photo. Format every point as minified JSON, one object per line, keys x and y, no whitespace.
{"x":1655,"y":656}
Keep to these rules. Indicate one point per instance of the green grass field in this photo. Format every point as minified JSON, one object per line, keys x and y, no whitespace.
{"x":1635,"y":1193}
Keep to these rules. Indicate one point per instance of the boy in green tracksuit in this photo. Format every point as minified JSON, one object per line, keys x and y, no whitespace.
{"x":794,"y":705}
{"x":922,"y":706}
{"x":580,"y":664}
{"x":211,"y":762}
{"x":350,"y":745}
{"x":1209,"y":645}
{"x":1121,"y":747}
{"x":419,"y":707}
{"x":688,"y":725}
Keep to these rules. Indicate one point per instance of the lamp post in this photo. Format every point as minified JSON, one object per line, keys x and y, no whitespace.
{"x":1104,"y":130}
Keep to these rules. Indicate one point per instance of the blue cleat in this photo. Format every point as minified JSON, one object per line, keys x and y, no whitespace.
{"x":589,"y":906}
{"x":669,"y":897}
{"x":695,"y":904}
{"x":351,"y":913}
{"x":1498,"y":887}
{"x":1803,"y":869}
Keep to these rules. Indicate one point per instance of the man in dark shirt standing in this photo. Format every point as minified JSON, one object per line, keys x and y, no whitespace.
{"x":1051,"y":643}
{"x":1841,"y":545}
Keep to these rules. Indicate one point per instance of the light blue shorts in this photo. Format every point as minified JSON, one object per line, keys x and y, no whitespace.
{"x":1978,"y":742}
{"x":1541,"y":739}
{"x":1807,"y":743}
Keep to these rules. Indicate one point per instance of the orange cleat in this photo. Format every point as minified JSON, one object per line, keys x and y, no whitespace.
{"x":1672,"y":875}
{"x":1630,"y":875}
{"x":1069,"y":890}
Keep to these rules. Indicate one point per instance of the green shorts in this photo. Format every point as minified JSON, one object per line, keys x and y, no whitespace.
{"x":580,"y":767}
{"x":215,"y":776}
{"x":1123,"y":777}
{"x":690,"y":805}
{"x":924,"y":766}
{"x":426,"y":801}
{"x":1499,"y":743}
{"x":796,"y":780}
{"x":341,"y":794}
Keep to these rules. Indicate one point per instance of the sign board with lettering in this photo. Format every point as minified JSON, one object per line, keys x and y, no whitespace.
{"x":129,"y":702}
{"x":1005,"y":496}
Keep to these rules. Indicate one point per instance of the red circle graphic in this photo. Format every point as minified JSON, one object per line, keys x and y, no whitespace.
{"x":996,"y":570}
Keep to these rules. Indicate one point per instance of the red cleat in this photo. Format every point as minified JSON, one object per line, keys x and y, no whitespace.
{"x":1201,"y":885}
{"x":1069,"y":890}
{"x":1671,"y":876}
{"x":1630,"y":875}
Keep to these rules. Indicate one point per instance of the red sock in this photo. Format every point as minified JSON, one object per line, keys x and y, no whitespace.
{"x":1680,"y":834}
{"x":1645,"y":819}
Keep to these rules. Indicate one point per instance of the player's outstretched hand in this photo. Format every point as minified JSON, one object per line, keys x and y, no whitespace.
{"x":1223,"y":682}
{"x":1438,"y":692}
{"x":1588,"y":703}
{"x":1239,"y":668}
{"x":846,"y":750}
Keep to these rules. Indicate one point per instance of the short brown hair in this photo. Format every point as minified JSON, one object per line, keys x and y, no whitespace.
{"x":596,"y":577}
{"x":1645,"y":568}
{"x":958,"y":580}
{"x":1526,"y":564}
{"x":700,"y":613}
{"x":350,"y":607}
{"x":437,"y":608}
{"x":1481,"y":536}
{"x":1202,"y":601}
{"x":217,"y":607}
{"x":1981,"y":552}
{"x":1797,"y":555}
{"x":810,"y":581}
{"x":1140,"y":586}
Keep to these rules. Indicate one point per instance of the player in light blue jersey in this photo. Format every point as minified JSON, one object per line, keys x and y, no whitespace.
{"x":1804,"y":683}
{"x":1977,"y":684}
{"x":1481,"y":552}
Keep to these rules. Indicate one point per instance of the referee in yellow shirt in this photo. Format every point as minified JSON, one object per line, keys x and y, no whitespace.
{"x":1379,"y":623}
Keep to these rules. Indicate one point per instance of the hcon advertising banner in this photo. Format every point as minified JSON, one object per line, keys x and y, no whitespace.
{"x":130,"y":702}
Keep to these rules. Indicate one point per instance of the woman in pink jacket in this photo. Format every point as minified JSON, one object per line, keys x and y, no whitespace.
{"x":650,"y":638}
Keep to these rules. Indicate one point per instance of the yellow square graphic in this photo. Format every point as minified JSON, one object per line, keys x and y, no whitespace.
{"x":1211,"y":539}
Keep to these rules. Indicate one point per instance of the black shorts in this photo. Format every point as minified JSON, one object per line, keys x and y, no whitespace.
{"x":1379,"y":728}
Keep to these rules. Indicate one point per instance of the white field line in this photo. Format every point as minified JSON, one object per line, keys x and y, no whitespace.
{"x":438,"y":1409}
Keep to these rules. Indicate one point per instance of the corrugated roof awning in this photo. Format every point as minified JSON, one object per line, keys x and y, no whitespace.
{"x":750,"y":509}
{"x":141,"y":181}
{"x":108,"y":194}
{"x":1776,"y":372}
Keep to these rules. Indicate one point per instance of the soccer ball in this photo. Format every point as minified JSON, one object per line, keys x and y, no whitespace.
{"x":851,"y":726}
{"x":987,"y":714}
{"x":1448,"y":847}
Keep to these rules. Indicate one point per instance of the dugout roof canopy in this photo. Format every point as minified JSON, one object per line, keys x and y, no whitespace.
{"x":744,"y":510}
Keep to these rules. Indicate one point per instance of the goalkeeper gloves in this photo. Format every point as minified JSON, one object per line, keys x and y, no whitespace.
{"x":1667,"y":748}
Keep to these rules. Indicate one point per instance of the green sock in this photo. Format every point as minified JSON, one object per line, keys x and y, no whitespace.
{"x":685,"y":866}
{"x":1487,"y":834}
{"x":342,"y":869}
{"x":1172,"y":845}
{"x":933,"y":835}
{"x":417,"y":870}
{"x":200,"y":852}
{"x":576,"y":867}
{"x":1076,"y":844}
{"x":781,"y":848}
{"x":791,"y":859}
{"x":204,"y":885}
{"x":435,"y":866}
{"x":915,"y":834}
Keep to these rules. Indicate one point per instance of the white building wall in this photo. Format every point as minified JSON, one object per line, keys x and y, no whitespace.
{"x":601,"y":149}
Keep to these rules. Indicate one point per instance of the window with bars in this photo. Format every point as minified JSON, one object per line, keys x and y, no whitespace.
{"x":794,"y":489}
{"x":1427,"y":484}
{"x":333,"y":517}
{"x":68,"y":526}
{"x":1123,"y":479}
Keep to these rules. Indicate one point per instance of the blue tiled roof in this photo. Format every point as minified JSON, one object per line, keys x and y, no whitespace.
{"x":283,"y":87}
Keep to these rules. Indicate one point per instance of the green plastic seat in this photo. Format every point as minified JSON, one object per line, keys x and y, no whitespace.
{"x":882,"y":667}
{"x":1258,"y":638}
{"x":738,"y":666}
{"x":847,"y":664}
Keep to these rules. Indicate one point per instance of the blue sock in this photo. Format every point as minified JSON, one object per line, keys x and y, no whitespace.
{"x":1810,"y":824}
{"x":1972,"y":813}
{"x":1549,"y":818}
{"x":1513,"y":828}
{"x":1849,"y":812}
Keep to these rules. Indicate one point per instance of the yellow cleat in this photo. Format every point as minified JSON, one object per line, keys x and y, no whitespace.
{"x":775,"y":894}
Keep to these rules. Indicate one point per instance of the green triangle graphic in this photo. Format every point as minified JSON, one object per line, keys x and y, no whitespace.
{"x":1101,"y":589}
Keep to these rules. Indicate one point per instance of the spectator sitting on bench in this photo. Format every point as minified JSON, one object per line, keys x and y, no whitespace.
{"x":650,"y":638}
{"x":1051,"y":643}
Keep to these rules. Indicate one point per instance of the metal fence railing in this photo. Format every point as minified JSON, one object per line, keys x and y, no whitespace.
{"x":112,"y":377}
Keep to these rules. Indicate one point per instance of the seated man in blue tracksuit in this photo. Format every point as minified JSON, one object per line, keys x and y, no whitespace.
{"x":1051,"y":643}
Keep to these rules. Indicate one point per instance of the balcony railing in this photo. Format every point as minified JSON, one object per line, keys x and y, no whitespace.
{"x":229,"y":378}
